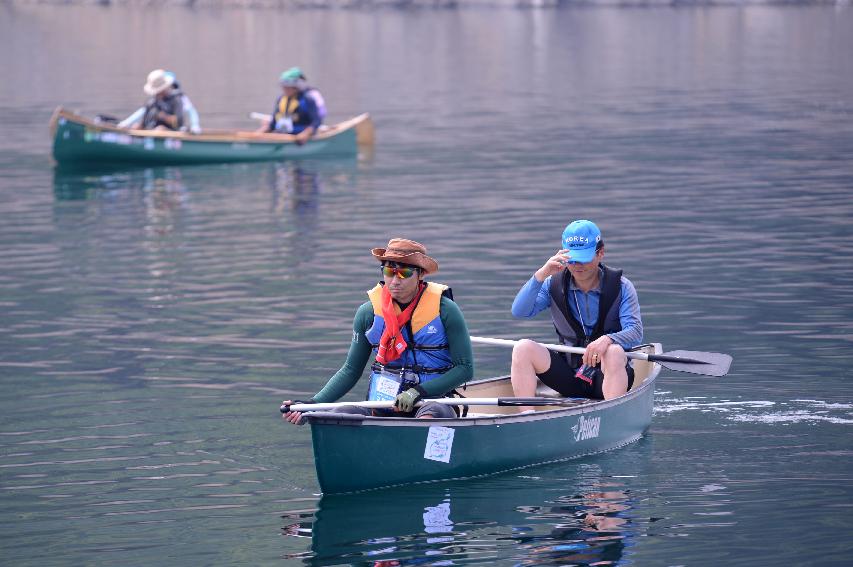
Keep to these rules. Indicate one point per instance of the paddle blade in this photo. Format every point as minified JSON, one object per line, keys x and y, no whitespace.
{"x":694,"y":362}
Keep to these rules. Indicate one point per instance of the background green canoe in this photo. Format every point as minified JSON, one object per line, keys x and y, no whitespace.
{"x":354,"y":453}
{"x":78,"y":140}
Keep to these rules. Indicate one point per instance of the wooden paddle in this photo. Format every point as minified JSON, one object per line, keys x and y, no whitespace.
{"x":694,"y":362}
{"x":260,"y":116}
{"x":303,"y":407}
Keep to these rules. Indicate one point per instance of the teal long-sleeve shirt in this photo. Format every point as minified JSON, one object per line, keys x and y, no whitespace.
{"x":360,"y":350}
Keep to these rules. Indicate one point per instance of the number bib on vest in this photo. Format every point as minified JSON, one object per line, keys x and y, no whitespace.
{"x":385,"y":385}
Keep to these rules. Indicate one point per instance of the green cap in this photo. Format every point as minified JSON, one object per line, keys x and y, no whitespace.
{"x":290,"y":78}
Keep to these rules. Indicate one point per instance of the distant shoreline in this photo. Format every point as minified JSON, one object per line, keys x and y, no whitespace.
{"x":413,"y":4}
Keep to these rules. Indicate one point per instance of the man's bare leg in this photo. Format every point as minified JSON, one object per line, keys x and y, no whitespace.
{"x":528,"y":359}
{"x":615,"y":375}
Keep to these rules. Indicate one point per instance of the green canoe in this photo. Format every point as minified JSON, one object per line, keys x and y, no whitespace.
{"x":354,"y":453}
{"x":79,"y":141}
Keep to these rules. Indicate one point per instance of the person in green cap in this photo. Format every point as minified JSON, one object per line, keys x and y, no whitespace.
{"x":297,"y":110}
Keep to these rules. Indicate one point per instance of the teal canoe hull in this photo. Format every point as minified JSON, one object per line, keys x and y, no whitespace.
{"x":357,"y":453}
{"x":78,"y":141}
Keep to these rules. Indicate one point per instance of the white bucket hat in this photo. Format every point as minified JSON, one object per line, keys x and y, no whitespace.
{"x":158,"y":81}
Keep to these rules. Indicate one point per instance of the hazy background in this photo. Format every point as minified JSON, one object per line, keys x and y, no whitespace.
{"x":153,"y":319}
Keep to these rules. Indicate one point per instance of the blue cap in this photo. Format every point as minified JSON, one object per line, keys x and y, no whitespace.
{"x":580,"y":238}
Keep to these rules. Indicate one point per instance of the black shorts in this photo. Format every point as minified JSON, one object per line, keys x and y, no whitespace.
{"x":561,"y":377}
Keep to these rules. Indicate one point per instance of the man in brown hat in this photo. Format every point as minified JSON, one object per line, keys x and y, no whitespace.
{"x":414,"y":333}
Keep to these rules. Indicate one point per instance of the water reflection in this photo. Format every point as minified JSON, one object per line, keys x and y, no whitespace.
{"x":590,"y":528}
{"x":294,"y":186}
{"x":161,"y":192}
{"x":520,"y":520}
{"x":195,"y":261}
{"x":294,"y":189}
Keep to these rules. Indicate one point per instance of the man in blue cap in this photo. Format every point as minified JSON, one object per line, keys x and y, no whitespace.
{"x":592,"y":306}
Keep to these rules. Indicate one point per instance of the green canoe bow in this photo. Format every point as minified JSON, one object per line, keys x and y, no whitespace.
{"x":78,"y":141}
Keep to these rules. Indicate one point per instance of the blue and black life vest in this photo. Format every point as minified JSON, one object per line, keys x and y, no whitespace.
{"x":428,"y":352}
{"x":570,"y":331}
{"x":293,"y":114}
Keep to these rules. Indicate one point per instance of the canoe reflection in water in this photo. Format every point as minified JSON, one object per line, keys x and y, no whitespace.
{"x":295,"y":204}
{"x":162,"y":188}
{"x":153,"y":196}
{"x":296,"y":187}
{"x":517,"y":520}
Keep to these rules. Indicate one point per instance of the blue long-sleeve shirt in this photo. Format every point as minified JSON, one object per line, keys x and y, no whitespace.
{"x":535,"y":296}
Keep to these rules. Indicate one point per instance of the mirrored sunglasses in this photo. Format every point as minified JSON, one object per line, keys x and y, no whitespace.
{"x":400,"y":272}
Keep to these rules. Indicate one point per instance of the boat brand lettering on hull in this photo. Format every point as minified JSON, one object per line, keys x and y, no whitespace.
{"x":586,"y":428}
{"x":439,"y":444}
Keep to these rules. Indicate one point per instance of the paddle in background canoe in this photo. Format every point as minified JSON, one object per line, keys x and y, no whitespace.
{"x":694,"y":362}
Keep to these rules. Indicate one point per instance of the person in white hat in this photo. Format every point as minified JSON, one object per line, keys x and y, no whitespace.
{"x":167,"y":109}
{"x":415,"y":334}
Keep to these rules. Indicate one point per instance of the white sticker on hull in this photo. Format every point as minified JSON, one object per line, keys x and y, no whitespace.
{"x":586,"y":428}
{"x":439,"y":444}
{"x":116,"y":138}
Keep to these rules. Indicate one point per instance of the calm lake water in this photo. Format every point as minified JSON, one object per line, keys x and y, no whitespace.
{"x":153,"y":319}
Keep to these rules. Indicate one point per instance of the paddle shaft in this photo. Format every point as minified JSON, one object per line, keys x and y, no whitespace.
{"x":581,"y":350}
{"x":558,"y":348}
{"x":694,"y":362}
{"x":443,"y":401}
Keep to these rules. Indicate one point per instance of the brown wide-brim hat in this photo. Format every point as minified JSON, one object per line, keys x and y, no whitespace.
{"x":406,"y":252}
